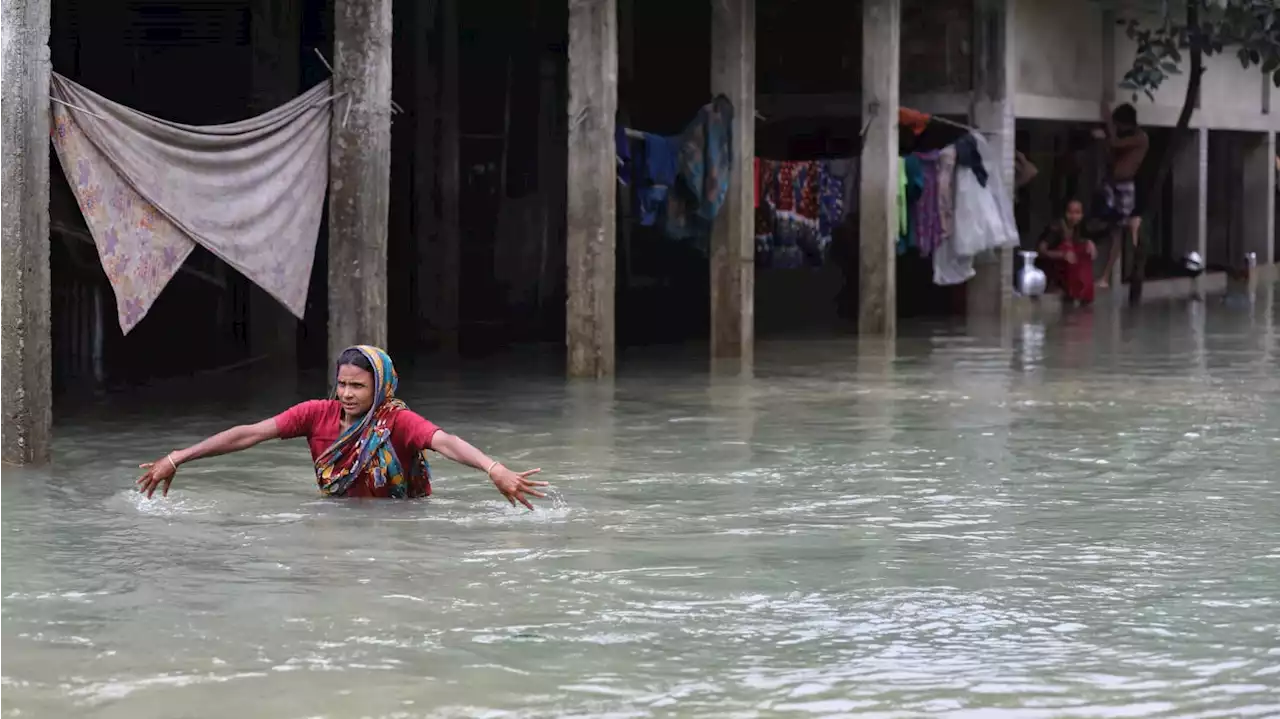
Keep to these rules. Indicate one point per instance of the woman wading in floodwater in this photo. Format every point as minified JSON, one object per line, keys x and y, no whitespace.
{"x":365,"y":442}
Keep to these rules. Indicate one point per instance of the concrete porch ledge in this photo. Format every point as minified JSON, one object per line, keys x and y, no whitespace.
{"x":1161,"y":290}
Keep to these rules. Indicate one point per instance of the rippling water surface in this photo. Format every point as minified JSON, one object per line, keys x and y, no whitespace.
{"x":1078,"y":518}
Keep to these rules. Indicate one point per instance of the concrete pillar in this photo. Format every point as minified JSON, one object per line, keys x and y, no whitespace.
{"x":275,"y":31}
{"x":878,"y":196}
{"x":733,"y":54}
{"x":25,"y":276}
{"x":592,"y":197}
{"x":1260,"y":196}
{"x":990,"y":292}
{"x":359,"y":174}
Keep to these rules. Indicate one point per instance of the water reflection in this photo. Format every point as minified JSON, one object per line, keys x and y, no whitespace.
{"x":1074,"y":517}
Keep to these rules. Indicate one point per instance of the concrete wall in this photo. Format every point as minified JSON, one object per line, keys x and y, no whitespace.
{"x":1059,"y":50}
{"x":1063,"y":52}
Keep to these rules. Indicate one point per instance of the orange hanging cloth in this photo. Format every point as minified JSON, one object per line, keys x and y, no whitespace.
{"x":913,"y":120}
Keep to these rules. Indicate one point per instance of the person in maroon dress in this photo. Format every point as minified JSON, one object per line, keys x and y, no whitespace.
{"x":1067,"y":257}
{"x":364,"y":441}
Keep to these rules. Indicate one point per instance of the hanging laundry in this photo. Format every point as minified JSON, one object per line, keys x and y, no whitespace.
{"x":902,"y":205}
{"x":913,"y":120}
{"x":250,"y":192}
{"x":949,"y":267}
{"x":1003,"y":196}
{"x":946,"y":193}
{"x":914,"y":189}
{"x":847,"y":169}
{"x":925,"y":221}
{"x":658,"y":177}
{"x":755,"y":174}
{"x":967,"y":156}
{"x":787,"y":223}
{"x":767,"y":182}
{"x":622,"y":146}
{"x":703,"y":162}
{"x":833,"y":198}
{"x":984,"y":215}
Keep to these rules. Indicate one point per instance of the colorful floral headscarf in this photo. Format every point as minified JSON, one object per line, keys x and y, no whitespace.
{"x":365,"y":447}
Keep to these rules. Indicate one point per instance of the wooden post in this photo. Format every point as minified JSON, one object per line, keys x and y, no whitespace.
{"x":733,"y":74}
{"x":359,"y":174}
{"x":275,"y":30}
{"x":450,"y":250}
{"x":25,"y":276}
{"x":592,"y":211}
{"x":878,"y":196}
{"x":990,"y":292}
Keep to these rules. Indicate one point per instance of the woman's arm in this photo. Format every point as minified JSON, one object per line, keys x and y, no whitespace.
{"x":232,"y":440}
{"x":228,"y":441}
{"x":513,"y":485}
{"x":1046,"y":252}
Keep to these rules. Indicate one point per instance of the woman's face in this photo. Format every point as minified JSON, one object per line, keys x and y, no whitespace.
{"x":1073,"y":216}
{"x":355,"y":390}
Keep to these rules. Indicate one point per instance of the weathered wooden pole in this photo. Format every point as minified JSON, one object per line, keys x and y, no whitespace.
{"x":733,"y":74}
{"x":24,"y":265}
{"x":359,"y":174}
{"x":592,"y":198}
{"x":878,"y":196}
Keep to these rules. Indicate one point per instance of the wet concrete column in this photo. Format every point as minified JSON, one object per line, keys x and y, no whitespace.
{"x":733,"y":74}
{"x":1260,"y":198}
{"x":990,"y":292}
{"x":878,"y":197}
{"x":359,"y":174}
{"x":25,"y":275}
{"x":591,"y":233}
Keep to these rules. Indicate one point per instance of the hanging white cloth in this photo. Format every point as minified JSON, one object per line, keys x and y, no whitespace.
{"x":1005,"y":227}
{"x":150,"y":190}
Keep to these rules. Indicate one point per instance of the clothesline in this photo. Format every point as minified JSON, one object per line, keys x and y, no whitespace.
{"x":961,"y":125}
{"x":78,"y":109}
{"x":638,"y":135}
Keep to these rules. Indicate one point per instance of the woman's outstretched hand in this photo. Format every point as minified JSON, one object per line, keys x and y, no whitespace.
{"x":159,"y":472}
{"x":515,"y":485}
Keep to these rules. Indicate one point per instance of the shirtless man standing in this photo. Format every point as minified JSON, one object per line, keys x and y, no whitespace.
{"x":1126,"y":149}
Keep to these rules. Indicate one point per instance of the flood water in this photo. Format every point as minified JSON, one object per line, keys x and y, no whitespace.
{"x":1076,"y":518}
